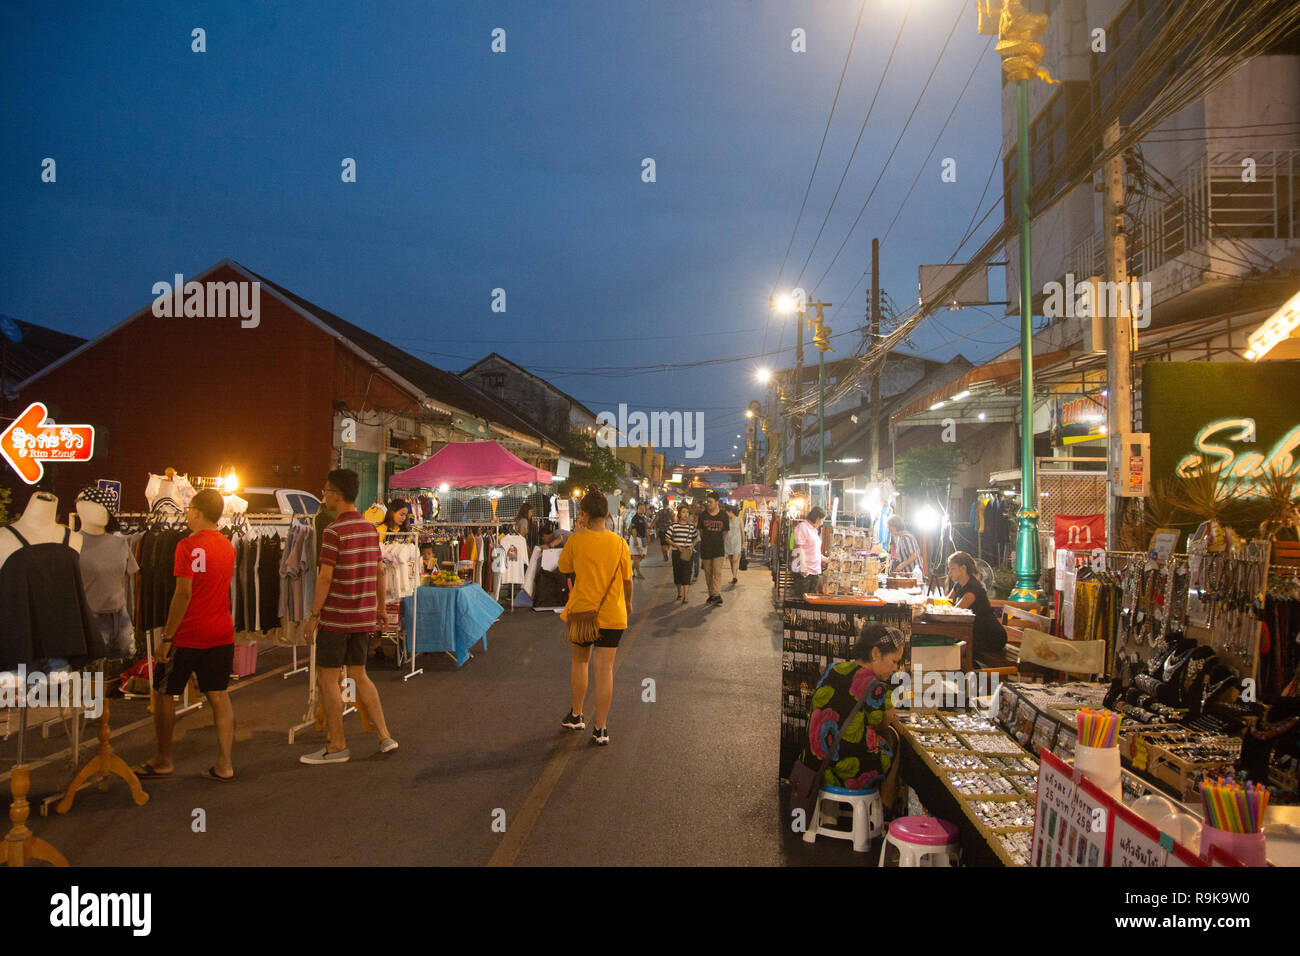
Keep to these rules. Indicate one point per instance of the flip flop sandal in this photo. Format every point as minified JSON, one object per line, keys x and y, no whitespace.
{"x":211,"y":774}
{"x":147,"y":772}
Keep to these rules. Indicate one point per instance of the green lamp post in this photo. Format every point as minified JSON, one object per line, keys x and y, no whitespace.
{"x":1018,"y":32}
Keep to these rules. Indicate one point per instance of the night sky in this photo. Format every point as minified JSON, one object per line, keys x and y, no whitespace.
{"x":519,"y":170}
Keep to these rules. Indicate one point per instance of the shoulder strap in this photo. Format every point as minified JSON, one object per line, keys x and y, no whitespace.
{"x":67,"y":533}
{"x":607,"y":589}
{"x":836,"y":742}
{"x":22,"y":541}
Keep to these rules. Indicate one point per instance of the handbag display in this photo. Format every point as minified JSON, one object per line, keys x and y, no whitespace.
{"x":582,"y":625}
{"x":805,"y":783}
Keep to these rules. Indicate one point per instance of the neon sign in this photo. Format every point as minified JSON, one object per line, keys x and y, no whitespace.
{"x":31,"y":440}
{"x":1239,"y":467}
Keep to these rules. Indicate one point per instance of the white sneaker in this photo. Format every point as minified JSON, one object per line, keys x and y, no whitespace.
{"x":323,"y":756}
{"x":387,"y":745}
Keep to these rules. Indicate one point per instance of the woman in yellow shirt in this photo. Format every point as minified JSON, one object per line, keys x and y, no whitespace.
{"x":601,"y":565}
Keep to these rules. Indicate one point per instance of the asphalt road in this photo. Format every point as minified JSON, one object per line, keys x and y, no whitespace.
{"x":688,"y":778}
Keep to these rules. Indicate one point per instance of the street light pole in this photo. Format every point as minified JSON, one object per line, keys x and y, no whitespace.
{"x":1018,"y":32}
{"x":821,"y":339}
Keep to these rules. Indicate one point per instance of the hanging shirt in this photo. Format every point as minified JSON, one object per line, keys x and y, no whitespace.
{"x":514,"y":559}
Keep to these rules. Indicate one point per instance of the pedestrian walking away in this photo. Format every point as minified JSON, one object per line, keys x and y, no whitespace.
{"x":734,"y":542}
{"x":348,"y":609}
{"x":714,"y":523}
{"x":683,"y":535}
{"x":636,"y":539}
{"x":662,"y":520}
{"x":601,"y":567}
{"x":198,"y":639}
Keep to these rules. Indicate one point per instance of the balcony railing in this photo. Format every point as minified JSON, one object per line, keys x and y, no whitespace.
{"x":1208,"y":200}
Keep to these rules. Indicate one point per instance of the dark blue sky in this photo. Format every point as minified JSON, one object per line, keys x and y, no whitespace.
{"x":478,"y":170}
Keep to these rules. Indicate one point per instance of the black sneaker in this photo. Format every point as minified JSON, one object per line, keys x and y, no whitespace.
{"x":601,"y":736}
{"x":573,"y":721}
{"x":718,"y":601}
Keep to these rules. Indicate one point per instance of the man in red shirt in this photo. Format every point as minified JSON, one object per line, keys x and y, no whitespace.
{"x":348,"y":609}
{"x":199,"y":637}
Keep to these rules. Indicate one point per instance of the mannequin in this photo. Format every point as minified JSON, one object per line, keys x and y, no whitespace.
{"x":39,"y":525}
{"x":42,"y":591}
{"x":107,"y":566}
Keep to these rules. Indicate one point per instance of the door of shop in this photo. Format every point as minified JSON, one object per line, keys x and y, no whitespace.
{"x":392,"y":465}
{"x":366,"y":465}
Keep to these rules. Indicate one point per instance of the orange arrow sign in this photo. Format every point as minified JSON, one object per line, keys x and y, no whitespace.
{"x":26,"y":443}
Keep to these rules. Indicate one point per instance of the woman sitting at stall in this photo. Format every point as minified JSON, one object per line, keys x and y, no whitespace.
{"x":988,"y":633}
{"x":865,"y":758}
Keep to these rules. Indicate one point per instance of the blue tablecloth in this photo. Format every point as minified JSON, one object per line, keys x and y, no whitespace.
{"x":448,"y":619}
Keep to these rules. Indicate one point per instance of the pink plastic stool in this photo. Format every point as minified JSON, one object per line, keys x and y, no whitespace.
{"x":922,"y":841}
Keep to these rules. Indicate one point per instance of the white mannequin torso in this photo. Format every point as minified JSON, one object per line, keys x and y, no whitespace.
{"x":38,"y":526}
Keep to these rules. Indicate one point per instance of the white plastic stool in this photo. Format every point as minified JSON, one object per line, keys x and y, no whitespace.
{"x":868,"y":817}
{"x":922,"y":841}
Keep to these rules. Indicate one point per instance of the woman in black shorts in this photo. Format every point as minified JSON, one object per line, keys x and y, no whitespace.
{"x":602,"y":568}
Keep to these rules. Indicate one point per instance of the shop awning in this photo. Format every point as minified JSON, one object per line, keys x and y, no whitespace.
{"x":989,"y":374}
{"x":754,"y":491}
{"x":468,"y":465}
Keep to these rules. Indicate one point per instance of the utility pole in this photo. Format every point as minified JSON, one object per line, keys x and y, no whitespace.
{"x":875,"y":375}
{"x":1119,"y":335}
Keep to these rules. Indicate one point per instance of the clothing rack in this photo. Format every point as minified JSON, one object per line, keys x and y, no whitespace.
{"x":296,"y":668}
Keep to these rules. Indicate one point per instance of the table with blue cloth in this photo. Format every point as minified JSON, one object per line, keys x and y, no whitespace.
{"x":451,"y":620}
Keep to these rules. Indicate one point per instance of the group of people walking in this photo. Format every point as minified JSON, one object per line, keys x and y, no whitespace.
{"x":712,"y":538}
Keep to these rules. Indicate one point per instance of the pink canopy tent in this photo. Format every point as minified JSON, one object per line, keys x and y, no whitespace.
{"x":754,"y":491}
{"x":468,"y":465}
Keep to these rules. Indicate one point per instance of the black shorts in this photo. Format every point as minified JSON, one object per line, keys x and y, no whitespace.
{"x":211,"y":665}
{"x":342,"y":648}
{"x":609,"y":637}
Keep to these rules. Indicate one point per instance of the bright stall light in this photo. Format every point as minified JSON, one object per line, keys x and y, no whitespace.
{"x":983,"y":416}
{"x":230,"y":484}
{"x":443,"y":487}
{"x":928,"y":519}
{"x":937,"y":405}
{"x":960,"y":395}
{"x":764,"y":375}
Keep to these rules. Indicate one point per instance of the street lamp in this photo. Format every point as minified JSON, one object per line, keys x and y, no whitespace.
{"x":1018,"y":32}
{"x":821,"y":340}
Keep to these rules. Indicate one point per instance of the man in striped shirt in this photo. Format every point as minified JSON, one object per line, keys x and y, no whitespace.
{"x":348,"y":610}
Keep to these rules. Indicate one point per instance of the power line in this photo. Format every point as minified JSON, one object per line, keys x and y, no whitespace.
{"x":861,"y":130}
{"x":817,"y":162}
{"x":935,"y":145}
{"x":944,"y":49}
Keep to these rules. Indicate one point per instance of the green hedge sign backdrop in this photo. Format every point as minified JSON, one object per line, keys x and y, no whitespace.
{"x":1243,"y":414}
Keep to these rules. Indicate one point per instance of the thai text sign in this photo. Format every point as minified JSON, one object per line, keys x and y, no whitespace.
{"x":31,"y":440}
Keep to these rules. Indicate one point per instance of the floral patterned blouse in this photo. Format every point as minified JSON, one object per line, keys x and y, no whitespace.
{"x":864,"y":753}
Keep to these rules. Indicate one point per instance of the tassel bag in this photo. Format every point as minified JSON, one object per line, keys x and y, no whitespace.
{"x":582,"y":624}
